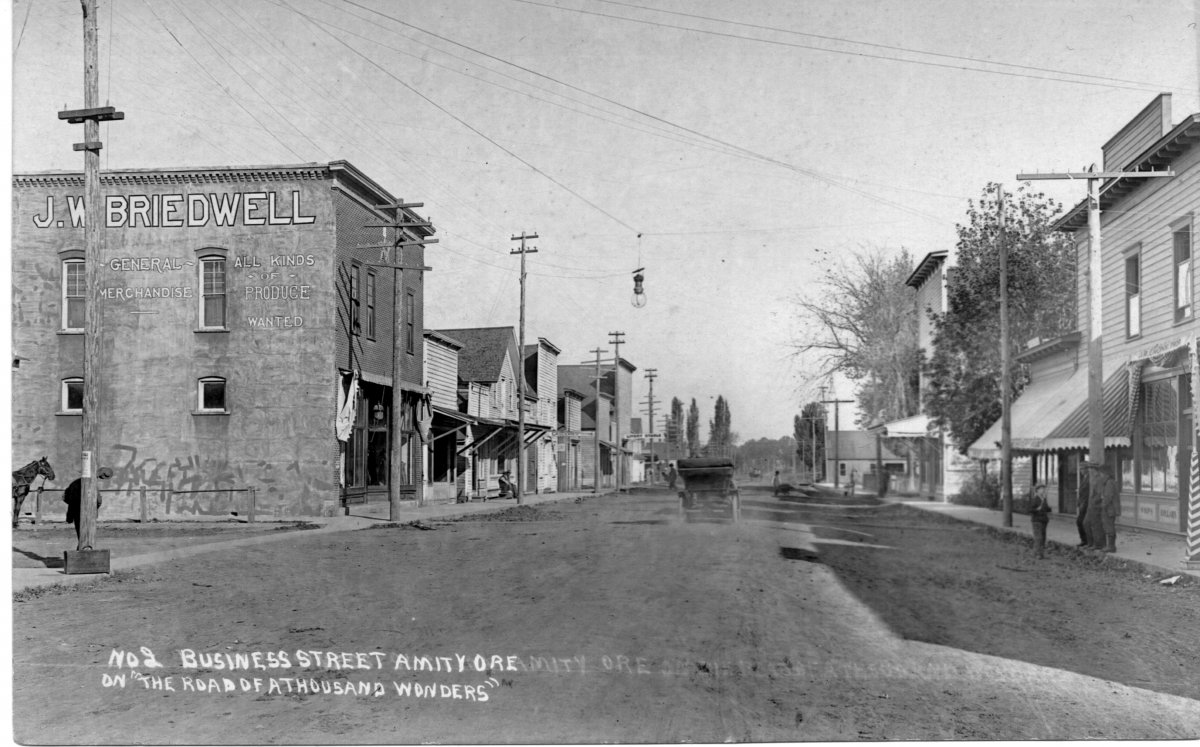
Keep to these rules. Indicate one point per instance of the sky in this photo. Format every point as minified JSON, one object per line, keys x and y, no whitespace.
{"x":737,"y":151}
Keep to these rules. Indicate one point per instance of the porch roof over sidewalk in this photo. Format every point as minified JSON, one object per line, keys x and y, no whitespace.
{"x":1051,"y":415}
{"x":914,"y":426}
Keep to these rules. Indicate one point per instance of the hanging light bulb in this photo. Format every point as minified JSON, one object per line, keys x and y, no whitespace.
{"x":639,"y":294}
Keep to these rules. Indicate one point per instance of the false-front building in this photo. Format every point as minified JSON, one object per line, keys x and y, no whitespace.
{"x":245,"y":345}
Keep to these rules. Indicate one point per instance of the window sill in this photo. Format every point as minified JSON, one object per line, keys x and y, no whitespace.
{"x":210,"y":412}
{"x":1184,"y":320}
{"x":71,"y":332}
{"x":64,"y":413}
{"x":1138,"y":336}
{"x":205,"y":330}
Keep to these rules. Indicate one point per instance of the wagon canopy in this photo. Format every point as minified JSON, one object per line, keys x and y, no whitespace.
{"x":716,"y":464}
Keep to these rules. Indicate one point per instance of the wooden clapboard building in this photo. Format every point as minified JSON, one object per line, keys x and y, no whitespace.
{"x":246,"y":338}
{"x":1149,"y":332}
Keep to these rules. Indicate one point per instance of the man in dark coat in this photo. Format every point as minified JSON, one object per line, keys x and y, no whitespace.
{"x":73,"y":496}
{"x":1081,"y":506}
{"x":1110,"y":509}
{"x":1095,"y":504}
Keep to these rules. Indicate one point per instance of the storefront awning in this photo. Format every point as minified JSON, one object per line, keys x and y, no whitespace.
{"x":1049,"y":415}
{"x":1072,"y":433}
{"x":916,"y":426}
{"x":452,"y":414}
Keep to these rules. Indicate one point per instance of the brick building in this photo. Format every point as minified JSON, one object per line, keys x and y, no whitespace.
{"x":246,"y":338}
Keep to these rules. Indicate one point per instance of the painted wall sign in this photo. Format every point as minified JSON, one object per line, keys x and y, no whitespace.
{"x":180,"y":211}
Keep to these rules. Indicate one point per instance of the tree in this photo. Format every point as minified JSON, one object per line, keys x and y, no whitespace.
{"x":863,"y":325}
{"x":809,"y":428}
{"x":963,"y":372}
{"x":693,"y":429}
{"x":720,"y":437}
{"x":675,"y":433}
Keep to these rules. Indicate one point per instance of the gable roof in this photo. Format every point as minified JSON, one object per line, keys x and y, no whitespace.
{"x":484,"y":348}
{"x":855,"y":445}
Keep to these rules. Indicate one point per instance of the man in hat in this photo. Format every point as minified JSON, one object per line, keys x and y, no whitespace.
{"x":1039,"y":516}
{"x":73,"y":494}
{"x":1081,"y":506}
{"x":1097,"y":480}
{"x":1110,"y":509}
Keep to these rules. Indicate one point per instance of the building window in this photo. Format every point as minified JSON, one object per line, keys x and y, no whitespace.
{"x":355,"y":283}
{"x":73,"y":300}
{"x":212,"y":293}
{"x":72,"y":395}
{"x":370,"y":304}
{"x":1159,"y":439}
{"x":410,"y":322}
{"x":1183,"y":273}
{"x":211,"y":395}
{"x":1133,"y":295}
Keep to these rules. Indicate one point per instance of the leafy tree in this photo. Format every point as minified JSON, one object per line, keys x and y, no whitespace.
{"x":675,"y":428}
{"x":963,"y":372}
{"x":863,"y":324}
{"x":693,"y":429}
{"x":720,"y":437}
{"x":809,"y":429}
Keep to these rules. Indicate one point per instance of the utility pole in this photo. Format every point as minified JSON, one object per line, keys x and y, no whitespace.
{"x":651,"y":375}
{"x":596,"y":422}
{"x":1005,"y":375}
{"x":88,"y":560}
{"x":836,"y":437}
{"x":616,"y":343}
{"x":1095,"y":307}
{"x":406,"y":225}
{"x":519,"y":487}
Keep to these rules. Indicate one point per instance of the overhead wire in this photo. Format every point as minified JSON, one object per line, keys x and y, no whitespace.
{"x":868,"y":55}
{"x":832,"y":181}
{"x":894,"y":48}
{"x":208,"y":72}
{"x":429,"y":100}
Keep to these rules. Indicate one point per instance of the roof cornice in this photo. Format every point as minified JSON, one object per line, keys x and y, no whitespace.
{"x":1163,"y":152}
{"x":200,"y":174}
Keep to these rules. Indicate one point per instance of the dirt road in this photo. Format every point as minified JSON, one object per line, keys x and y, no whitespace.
{"x":602,"y":620}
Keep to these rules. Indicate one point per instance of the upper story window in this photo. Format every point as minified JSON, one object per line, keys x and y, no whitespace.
{"x":1133,"y":295}
{"x":212,"y":293}
{"x":210,"y":395}
{"x":74,"y":301}
{"x":410,"y":322}
{"x":370,"y":320}
{"x":1183,"y":273}
{"x":72,"y":395}
{"x":355,"y":287}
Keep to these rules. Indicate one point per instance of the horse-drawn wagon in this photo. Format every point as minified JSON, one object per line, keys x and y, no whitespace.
{"x":709,"y":489}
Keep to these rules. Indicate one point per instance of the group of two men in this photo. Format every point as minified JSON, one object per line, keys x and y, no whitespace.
{"x":1099,"y":507}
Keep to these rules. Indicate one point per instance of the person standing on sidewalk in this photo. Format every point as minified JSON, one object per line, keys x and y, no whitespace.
{"x":1081,"y":506}
{"x":73,"y":497}
{"x":1039,"y":516}
{"x":1110,"y":509}
{"x":1096,"y":505}
{"x":775,"y":484}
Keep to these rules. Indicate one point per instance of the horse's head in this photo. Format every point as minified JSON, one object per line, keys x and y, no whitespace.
{"x":44,"y":468}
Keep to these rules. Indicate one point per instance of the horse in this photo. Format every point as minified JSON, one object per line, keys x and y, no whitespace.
{"x":23,"y":479}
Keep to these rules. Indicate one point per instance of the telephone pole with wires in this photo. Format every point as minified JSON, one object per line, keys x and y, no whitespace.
{"x":616,"y":341}
{"x":596,"y":422}
{"x":1095,"y":398}
{"x":518,"y":489}
{"x":651,"y":375}
{"x":85,"y":559}
{"x":410,"y":231}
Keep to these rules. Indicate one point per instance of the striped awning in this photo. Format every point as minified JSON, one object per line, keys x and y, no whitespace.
{"x":1052,"y":415}
{"x":1120,"y":392}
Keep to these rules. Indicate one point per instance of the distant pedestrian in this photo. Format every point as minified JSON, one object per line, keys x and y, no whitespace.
{"x":1081,"y":507}
{"x":775,"y":484}
{"x":73,"y":497}
{"x":671,"y":475}
{"x":1039,"y":516}
{"x":853,"y":480}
